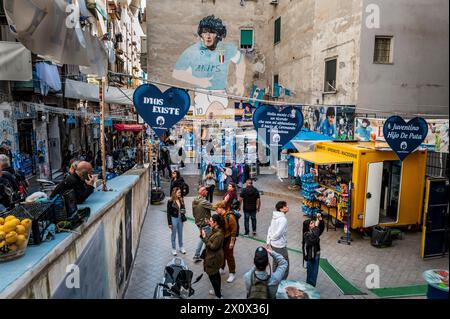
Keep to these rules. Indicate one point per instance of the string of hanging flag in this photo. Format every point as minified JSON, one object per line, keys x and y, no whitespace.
{"x":259,"y":100}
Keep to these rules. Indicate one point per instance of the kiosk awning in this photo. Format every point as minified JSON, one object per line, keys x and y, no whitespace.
{"x":129,"y":127}
{"x":323,"y":158}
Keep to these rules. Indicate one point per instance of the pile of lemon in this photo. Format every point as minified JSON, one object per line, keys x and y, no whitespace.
{"x":13,"y":234}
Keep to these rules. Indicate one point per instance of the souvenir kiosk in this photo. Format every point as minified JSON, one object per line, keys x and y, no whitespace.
{"x":385,"y":190}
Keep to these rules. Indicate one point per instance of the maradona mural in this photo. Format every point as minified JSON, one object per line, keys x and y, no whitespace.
{"x":206,"y":64}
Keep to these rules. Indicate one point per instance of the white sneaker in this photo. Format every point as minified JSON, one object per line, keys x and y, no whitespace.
{"x":222,"y":271}
{"x":231,"y":278}
{"x":174,"y":252}
{"x":183,"y":251}
{"x":212,"y":293}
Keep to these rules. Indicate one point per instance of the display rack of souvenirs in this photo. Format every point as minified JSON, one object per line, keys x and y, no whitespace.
{"x":310,"y":207}
{"x":344,"y":213}
{"x":326,"y":196}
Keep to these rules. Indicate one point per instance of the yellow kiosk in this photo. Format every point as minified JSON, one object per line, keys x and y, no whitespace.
{"x":385,"y":191}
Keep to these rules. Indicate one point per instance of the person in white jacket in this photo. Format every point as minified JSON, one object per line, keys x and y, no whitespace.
{"x":277,"y":234}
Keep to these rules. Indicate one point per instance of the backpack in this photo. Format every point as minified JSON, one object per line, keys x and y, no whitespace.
{"x":259,"y":289}
{"x":185,"y":189}
{"x":237,"y":215}
{"x":235,"y":204}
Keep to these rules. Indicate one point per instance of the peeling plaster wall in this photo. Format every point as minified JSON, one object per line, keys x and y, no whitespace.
{"x":419,"y":74}
{"x":311,"y":32}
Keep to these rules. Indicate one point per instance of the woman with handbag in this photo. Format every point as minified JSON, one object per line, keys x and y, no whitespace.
{"x":209,"y":181}
{"x":213,"y":253}
{"x":176,"y":216}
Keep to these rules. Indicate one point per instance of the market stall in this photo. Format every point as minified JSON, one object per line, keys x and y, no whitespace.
{"x":385,"y":190}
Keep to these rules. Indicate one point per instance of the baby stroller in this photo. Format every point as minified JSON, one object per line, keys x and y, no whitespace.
{"x":176,"y":283}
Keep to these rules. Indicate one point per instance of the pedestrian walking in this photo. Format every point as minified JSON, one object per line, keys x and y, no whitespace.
{"x":165,"y":161}
{"x":177,"y":181}
{"x":231,"y":198}
{"x":277,"y":234}
{"x":201,"y":210}
{"x":209,"y":180}
{"x":260,"y":284}
{"x":176,"y":211}
{"x":230,"y":234}
{"x":251,"y":205}
{"x":214,"y":254}
{"x":312,"y":230}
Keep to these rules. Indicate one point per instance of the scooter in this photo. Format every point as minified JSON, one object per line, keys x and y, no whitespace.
{"x":176,"y":283}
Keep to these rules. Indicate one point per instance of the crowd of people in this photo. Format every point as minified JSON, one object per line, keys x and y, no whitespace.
{"x":218,"y":226}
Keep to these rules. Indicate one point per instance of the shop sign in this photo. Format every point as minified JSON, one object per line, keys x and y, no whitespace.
{"x":342,"y":152}
{"x":161,"y":110}
{"x":404,"y":138}
{"x":276,"y":126}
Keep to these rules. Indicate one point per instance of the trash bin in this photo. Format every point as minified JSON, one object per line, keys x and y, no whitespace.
{"x":437,"y":280}
{"x":381,"y":237}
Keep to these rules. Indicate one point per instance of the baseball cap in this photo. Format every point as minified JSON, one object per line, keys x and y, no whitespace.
{"x":261,"y":259}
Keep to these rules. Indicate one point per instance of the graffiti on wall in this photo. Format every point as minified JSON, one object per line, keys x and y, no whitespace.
{"x":205,"y":65}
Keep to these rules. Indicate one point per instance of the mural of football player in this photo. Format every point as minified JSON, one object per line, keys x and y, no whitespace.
{"x":205,"y":65}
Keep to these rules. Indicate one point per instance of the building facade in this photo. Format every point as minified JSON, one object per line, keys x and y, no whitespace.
{"x":381,"y":56}
{"x":43,"y":118}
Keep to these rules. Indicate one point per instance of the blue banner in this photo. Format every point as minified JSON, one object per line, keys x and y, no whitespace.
{"x":71,"y":120}
{"x":161,"y":110}
{"x":277,"y":126}
{"x":404,"y":138}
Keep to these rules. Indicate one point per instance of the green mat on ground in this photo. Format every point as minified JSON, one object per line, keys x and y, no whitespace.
{"x":399,"y":292}
{"x":346,"y":287}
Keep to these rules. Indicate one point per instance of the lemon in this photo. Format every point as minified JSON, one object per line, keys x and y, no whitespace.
{"x":21,"y":241}
{"x":2,"y":228}
{"x":26,"y":223}
{"x":2,"y":220}
{"x":2,"y":235}
{"x":9,"y":227}
{"x":11,"y":237}
{"x":13,"y":248}
{"x":9,"y":218}
{"x":20,"y":229}
{"x":2,"y":244}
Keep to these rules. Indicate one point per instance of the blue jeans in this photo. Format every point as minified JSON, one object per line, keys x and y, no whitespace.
{"x":177,"y":228}
{"x":198,"y":251}
{"x":312,"y":271}
{"x":247,"y":216}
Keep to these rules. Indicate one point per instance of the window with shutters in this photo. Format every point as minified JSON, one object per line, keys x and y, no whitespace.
{"x":330,"y":75}
{"x":277,"y":27}
{"x":383,"y":50}
{"x":247,"y":39}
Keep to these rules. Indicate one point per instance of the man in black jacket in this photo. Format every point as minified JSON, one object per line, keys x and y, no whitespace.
{"x":8,"y":173}
{"x":251,"y":205}
{"x":81,"y":181}
{"x":312,"y":229}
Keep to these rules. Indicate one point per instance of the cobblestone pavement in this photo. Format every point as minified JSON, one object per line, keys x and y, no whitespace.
{"x":400,"y":265}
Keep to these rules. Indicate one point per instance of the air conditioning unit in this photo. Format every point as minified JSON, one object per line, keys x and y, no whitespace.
{"x":274,"y":2}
